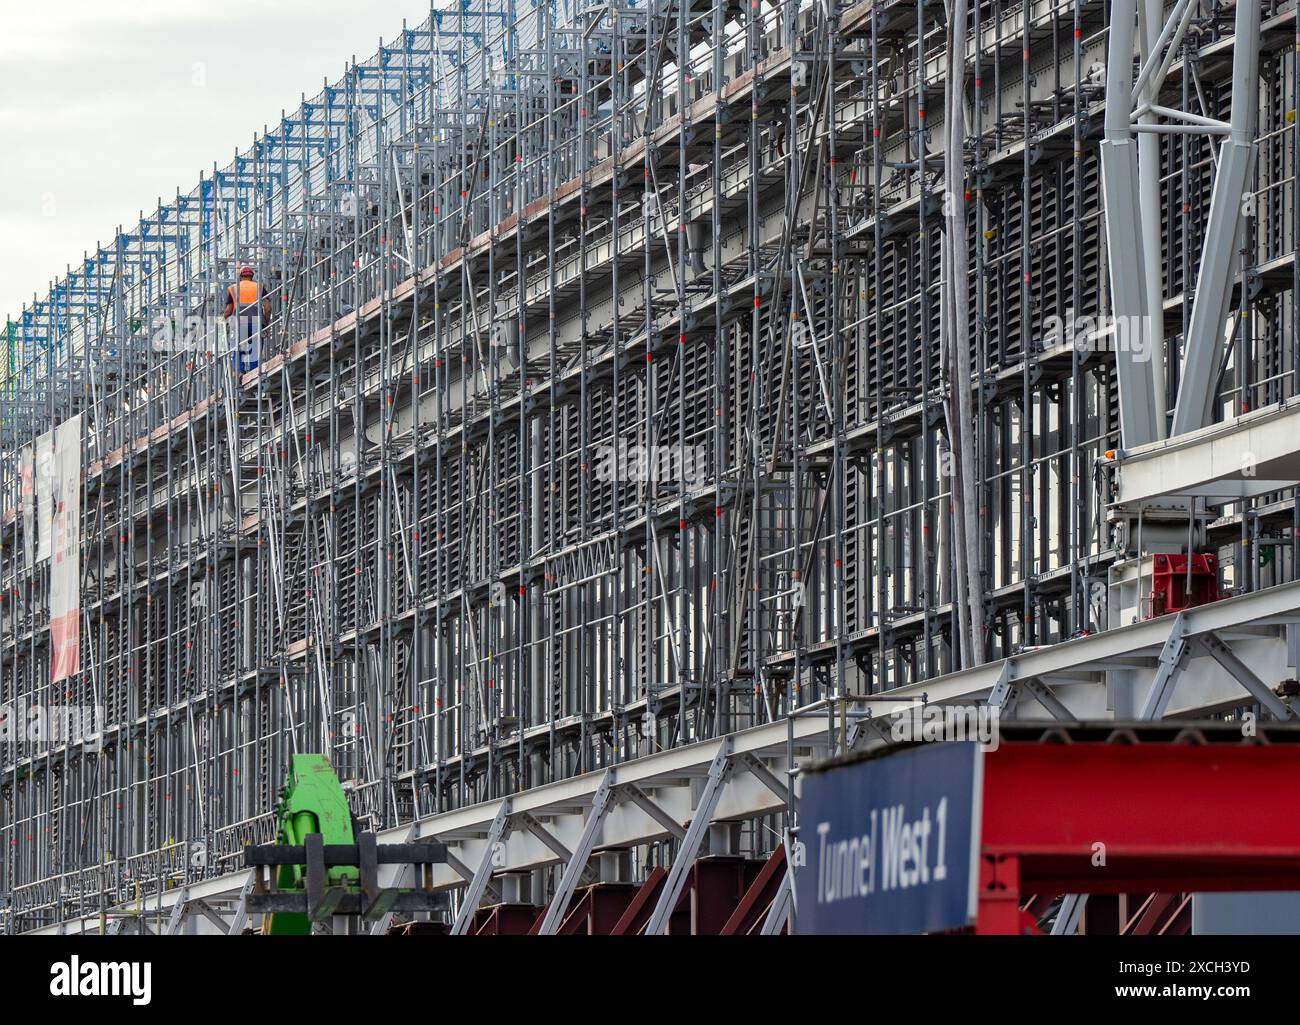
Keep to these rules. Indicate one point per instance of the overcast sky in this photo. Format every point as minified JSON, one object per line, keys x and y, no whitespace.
{"x":105,"y":105}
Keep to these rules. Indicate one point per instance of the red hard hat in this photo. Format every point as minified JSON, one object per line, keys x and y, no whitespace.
{"x":246,"y":272}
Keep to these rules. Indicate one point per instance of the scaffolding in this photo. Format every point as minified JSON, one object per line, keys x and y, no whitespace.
{"x":609,"y":403}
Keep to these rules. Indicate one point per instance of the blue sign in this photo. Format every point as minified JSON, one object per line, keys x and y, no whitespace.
{"x":891,"y":844}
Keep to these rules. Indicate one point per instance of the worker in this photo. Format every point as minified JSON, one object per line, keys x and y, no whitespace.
{"x":252,"y":311}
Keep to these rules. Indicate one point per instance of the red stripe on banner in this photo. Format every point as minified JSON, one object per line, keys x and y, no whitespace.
{"x":65,"y":646}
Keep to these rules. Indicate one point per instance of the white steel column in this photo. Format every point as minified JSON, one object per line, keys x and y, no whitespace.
{"x":1126,"y":247}
{"x":1152,"y":18}
{"x":1205,"y":333}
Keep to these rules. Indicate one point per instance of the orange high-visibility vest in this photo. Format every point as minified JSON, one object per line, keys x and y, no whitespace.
{"x":248,"y":293}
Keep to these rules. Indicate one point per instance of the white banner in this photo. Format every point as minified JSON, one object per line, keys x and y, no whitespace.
{"x":44,"y":494}
{"x":28,"y":503}
{"x":65,"y":574}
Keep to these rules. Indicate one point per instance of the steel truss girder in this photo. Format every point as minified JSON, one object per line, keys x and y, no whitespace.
{"x":1087,"y":673}
{"x":174,"y":920}
{"x":783,"y":904}
{"x":1213,"y":646}
{"x":1173,"y":659}
{"x":1070,"y":914}
{"x":1006,"y":690}
{"x":577,"y":863}
{"x":497,"y":833}
{"x":719,"y":771}
{"x":240,"y":918}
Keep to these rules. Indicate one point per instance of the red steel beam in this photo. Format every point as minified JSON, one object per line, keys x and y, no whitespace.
{"x":1158,"y":913}
{"x":715,"y":889}
{"x":1115,"y":818}
{"x":642,"y":906}
{"x":598,"y":909}
{"x":506,"y":920}
{"x":758,"y":898}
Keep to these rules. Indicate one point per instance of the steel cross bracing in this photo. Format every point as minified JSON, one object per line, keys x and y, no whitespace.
{"x":1132,"y":187}
{"x":601,"y":412}
{"x":673,"y":797}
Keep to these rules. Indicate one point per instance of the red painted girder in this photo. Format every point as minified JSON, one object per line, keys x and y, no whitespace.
{"x":758,"y":898}
{"x":1142,"y":800}
{"x":642,"y":905}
